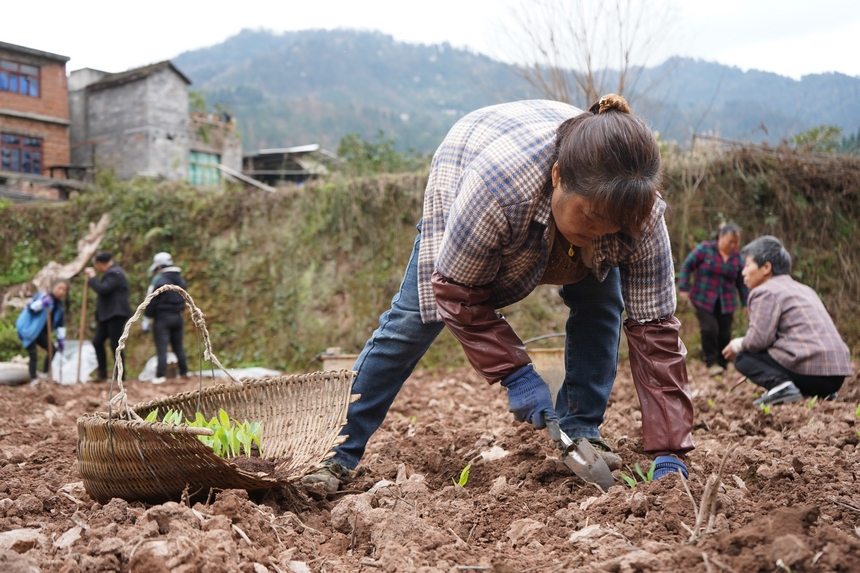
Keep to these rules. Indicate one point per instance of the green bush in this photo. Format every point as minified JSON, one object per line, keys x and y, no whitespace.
{"x":10,"y":344}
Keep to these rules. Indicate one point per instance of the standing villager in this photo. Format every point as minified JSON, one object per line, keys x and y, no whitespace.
{"x":791,"y":348}
{"x":32,"y":324}
{"x":112,"y":306}
{"x":166,"y":310}
{"x":521,"y":194}
{"x":717,"y":267}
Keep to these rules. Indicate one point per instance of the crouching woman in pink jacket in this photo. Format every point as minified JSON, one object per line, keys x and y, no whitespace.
{"x":791,"y":348}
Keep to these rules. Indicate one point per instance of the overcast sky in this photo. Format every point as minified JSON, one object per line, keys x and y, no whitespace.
{"x":788,"y":37}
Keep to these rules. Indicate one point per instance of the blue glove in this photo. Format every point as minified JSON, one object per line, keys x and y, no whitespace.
{"x":61,"y":344}
{"x":529,"y":397}
{"x":665,"y":465}
{"x":47,"y":301}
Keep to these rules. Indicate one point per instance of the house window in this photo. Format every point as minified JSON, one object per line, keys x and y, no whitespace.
{"x":203,"y":168}
{"x":19,"y":78}
{"x":20,"y":154}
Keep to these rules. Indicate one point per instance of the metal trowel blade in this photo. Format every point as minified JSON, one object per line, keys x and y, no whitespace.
{"x":586,"y":462}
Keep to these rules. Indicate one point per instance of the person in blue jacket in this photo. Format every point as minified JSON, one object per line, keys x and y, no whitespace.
{"x":32,"y":324}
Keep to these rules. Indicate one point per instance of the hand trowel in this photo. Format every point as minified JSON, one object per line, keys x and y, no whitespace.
{"x":581,"y":457}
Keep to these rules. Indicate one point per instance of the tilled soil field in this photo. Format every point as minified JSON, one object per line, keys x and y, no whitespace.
{"x":777,"y":491}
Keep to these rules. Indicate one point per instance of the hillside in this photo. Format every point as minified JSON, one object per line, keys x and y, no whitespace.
{"x":283,"y":276}
{"x":316,"y":86}
{"x":751,"y":106}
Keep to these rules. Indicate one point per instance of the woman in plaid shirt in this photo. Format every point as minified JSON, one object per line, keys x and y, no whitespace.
{"x":521,"y":194}
{"x":717,"y":265}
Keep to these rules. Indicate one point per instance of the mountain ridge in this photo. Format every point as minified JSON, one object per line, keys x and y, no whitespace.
{"x":315,"y":86}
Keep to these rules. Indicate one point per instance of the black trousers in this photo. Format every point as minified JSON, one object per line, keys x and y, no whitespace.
{"x":716,"y":329}
{"x":761,"y":368}
{"x":110,"y":328}
{"x":168,"y":327}
{"x":32,"y":351}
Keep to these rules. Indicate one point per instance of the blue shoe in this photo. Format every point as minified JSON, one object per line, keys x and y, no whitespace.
{"x":665,"y":465}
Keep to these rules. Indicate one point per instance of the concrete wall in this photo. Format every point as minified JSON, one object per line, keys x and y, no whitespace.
{"x":81,"y":150}
{"x":138,"y":128}
{"x":80,"y":79}
{"x":116,"y":128}
{"x":142,"y":127}
{"x":167,"y":123}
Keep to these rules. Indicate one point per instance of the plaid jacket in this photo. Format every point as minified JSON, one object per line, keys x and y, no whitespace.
{"x":788,"y":320}
{"x":715,"y":278}
{"x":487,"y":215}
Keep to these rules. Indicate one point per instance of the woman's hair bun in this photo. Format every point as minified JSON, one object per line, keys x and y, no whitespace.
{"x":610,"y":102}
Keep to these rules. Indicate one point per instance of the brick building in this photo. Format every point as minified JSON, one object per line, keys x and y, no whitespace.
{"x":137,"y":123}
{"x":34,"y":123}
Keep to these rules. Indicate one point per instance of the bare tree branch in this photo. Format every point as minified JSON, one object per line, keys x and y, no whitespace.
{"x":577,"y":50}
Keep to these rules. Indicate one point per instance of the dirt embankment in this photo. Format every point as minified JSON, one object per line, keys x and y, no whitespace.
{"x":788,"y":498}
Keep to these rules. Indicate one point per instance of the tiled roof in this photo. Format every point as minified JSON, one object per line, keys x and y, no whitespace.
{"x":32,"y":52}
{"x":135,"y":74}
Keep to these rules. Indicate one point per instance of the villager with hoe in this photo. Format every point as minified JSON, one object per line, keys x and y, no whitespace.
{"x":521,"y":194}
{"x":112,"y":307}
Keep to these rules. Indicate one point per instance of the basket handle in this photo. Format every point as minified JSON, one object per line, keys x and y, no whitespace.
{"x":120,"y":401}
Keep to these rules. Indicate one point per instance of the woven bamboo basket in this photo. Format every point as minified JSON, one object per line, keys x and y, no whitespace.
{"x":122,"y":455}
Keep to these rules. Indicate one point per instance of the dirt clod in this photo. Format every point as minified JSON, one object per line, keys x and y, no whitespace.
{"x":789,"y":494}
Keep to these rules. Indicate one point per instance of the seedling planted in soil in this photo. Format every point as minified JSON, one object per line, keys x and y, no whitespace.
{"x":464,"y":476}
{"x":227,"y":439}
{"x":765,"y":408}
{"x":811,"y":403}
{"x":645,"y":477}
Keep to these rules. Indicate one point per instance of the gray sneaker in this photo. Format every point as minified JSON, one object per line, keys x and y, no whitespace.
{"x":780,"y":394}
{"x":332,"y":475}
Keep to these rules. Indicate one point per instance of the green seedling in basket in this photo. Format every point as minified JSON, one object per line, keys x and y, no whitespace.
{"x":229,"y":437}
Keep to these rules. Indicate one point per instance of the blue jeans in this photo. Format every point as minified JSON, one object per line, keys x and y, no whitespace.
{"x":395,"y":348}
{"x":590,"y":354}
{"x":388,"y":358}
